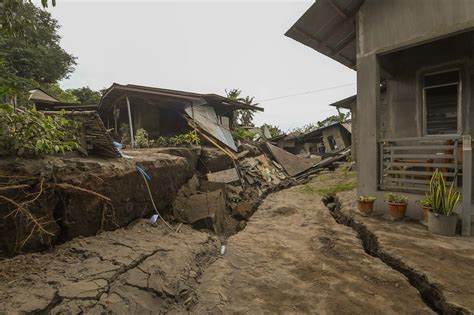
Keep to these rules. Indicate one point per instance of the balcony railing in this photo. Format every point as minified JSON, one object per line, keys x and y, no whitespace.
{"x":406,"y":165}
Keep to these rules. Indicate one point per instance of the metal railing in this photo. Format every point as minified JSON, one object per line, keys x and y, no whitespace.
{"x":406,"y":164}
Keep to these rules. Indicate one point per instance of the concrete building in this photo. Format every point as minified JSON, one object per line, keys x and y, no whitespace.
{"x":422,"y":51}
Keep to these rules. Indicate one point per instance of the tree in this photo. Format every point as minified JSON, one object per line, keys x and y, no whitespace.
{"x":234,"y":95}
{"x":246,"y":116}
{"x":12,"y":22}
{"x":274,"y":130}
{"x":85,"y":95}
{"x":30,"y":55}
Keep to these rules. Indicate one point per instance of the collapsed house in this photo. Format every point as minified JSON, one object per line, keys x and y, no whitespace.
{"x":422,"y":52}
{"x":164,"y":112}
{"x":323,"y":141}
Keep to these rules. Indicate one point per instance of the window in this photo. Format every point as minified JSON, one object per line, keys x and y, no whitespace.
{"x":441,"y":102}
{"x":332,"y":143}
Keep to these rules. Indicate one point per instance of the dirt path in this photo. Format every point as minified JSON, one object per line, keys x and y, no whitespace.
{"x":292,"y":257}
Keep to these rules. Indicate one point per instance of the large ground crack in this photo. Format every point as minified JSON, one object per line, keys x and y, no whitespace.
{"x":431,"y":293}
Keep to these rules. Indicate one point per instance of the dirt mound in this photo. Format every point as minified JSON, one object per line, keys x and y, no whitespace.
{"x":81,"y":196}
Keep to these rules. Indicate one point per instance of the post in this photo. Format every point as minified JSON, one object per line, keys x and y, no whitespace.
{"x":368,"y":99}
{"x":466,"y":184}
{"x":132,"y":139}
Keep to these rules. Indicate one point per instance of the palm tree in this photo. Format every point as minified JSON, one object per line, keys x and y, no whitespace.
{"x":246,"y":116}
{"x":234,"y":95}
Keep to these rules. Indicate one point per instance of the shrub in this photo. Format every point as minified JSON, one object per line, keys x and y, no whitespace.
{"x":125,"y":133}
{"x":244,"y":134}
{"x":28,"y":132}
{"x":366,"y":198}
{"x":394,"y":198}
{"x":141,"y":138}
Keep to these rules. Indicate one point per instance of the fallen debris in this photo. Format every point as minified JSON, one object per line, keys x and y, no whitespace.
{"x":226,"y":176}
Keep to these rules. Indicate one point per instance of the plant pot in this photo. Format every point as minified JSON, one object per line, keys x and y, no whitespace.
{"x":397,"y":210}
{"x":442,"y":224}
{"x":365,"y":207}
{"x":425,"y":211}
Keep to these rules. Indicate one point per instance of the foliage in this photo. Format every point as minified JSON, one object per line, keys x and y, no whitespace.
{"x":246,"y":116}
{"x":274,"y":130}
{"x":425,"y":202}
{"x":125,"y":133}
{"x":241,"y":117}
{"x":366,"y":198}
{"x":30,"y":55}
{"x":141,"y":138}
{"x":186,"y":139}
{"x":339,"y":118}
{"x":85,"y":95}
{"x":55,"y":90}
{"x":442,"y":200}
{"x":31,"y":133}
{"x":394,"y":198}
{"x":242,"y":134}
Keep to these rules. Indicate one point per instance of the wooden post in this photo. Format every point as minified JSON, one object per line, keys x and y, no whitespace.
{"x":466,"y":184}
{"x":132,"y":139}
{"x":115,"y":119}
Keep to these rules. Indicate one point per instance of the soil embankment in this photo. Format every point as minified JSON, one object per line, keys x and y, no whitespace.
{"x":80,"y":196}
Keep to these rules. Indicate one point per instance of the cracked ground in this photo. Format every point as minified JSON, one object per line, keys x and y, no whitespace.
{"x":291,"y":257}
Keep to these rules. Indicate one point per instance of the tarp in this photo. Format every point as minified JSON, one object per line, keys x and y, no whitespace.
{"x":205,"y":116}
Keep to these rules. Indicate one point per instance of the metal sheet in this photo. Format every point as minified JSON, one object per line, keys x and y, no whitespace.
{"x":205,"y":116}
{"x":292,"y":164}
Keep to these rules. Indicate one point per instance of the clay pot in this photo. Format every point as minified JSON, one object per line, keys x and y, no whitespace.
{"x":397,"y":210}
{"x":365,"y":207}
{"x":425,"y":214}
{"x":442,"y":224}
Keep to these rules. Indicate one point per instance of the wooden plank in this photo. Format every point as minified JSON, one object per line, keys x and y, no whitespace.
{"x":226,"y":176}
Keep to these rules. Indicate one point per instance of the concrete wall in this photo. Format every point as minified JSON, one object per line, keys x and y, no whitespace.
{"x":390,"y":24}
{"x":399,"y":40}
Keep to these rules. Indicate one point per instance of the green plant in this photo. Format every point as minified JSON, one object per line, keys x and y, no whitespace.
{"x":366,"y":198}
{"x":243,"y":134}
{"x":31,"y":133}
{"x":141,"y":138}
{"x":442,"y":200}
{"x":394,"y":198}
{"x":425,"y":202}
{"x":125,"y":133}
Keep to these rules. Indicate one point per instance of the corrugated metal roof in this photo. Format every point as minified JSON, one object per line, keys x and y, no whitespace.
{"x":178,"y":98}
{"x":328,"y":26}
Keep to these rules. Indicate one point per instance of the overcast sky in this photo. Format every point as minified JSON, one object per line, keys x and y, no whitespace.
{"x":204,"y":47}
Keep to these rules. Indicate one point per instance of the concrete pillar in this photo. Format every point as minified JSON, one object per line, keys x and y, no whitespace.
{"x":368,"y":100}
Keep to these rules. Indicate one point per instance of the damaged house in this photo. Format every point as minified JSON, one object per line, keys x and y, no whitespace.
{"x":164,"y":112}
{"x":422,"y":51}
{"x":327,"y":140}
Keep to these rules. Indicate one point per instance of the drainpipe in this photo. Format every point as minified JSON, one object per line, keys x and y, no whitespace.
{"x":132,"y":140}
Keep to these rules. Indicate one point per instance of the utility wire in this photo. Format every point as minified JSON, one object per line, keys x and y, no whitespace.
{"x":304,"y":93}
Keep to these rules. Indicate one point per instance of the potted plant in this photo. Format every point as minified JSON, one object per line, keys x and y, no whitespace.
{"x":425,"y":204}
{"x":397,"y":205}
{"x":442,"y":220}
{"x":365,"y":204}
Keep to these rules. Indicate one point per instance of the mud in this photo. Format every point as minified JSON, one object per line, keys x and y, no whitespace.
{"x":73,"y":212}
{"x":440,"y":268}
{"x":140,"y":269}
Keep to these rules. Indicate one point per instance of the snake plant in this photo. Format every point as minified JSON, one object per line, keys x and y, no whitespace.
{"x":442,"y":201}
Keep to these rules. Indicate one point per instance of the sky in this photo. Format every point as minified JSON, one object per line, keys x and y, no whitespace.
{"x":204,"y":47}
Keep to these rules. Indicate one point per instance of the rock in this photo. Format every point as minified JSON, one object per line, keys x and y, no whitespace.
{"x":243,"y":210}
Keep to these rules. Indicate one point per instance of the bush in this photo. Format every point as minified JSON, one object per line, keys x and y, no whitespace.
{"x":31,"y":133}
{"x":141,"y":138}
{"x":244,"y":134}
{"x":125,"y":133}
